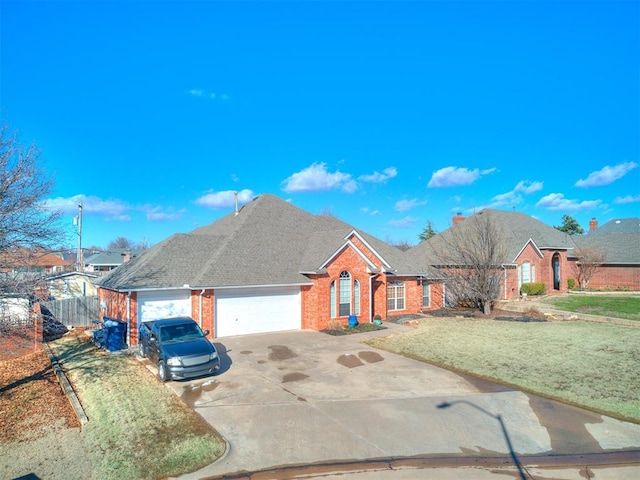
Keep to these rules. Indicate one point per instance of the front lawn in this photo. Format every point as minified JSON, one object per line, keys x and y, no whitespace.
{"x":592,"y":365}
{"x":137,"y":428}
{"x":611,"y":305}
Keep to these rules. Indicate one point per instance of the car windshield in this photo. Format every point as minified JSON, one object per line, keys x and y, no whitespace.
{"x":174,"y":333}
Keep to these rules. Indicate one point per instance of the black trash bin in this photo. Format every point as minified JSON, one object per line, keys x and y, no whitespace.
{"x":116,"y":331}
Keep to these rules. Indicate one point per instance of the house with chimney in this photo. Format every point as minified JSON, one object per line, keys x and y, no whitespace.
{"x":270,"y":266}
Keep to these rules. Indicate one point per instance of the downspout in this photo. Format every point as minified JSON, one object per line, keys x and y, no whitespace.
{"x":129,"y":318}
{"x":505,"y":282}
{"x":200,"y":308}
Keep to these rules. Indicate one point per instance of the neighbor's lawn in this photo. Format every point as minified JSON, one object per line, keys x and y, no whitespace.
{"x":592,"y":365}
{"x":618,"y":306}
{"x":137,"y":428}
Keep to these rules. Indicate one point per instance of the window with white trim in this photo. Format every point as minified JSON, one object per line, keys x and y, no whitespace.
{"x":395,"y":295}
{"x":426,"y":295}
{"x":345,"y":293}
{"x":526,"y":272}
{"x":356,"y":297}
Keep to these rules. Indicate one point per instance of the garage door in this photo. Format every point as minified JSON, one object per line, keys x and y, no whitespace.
{"x":163,"y":304}
{"x":257,"y":310}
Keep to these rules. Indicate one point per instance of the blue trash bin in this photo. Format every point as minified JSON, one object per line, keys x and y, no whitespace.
{"x":353,"y":321}
{"x":116,"y":331}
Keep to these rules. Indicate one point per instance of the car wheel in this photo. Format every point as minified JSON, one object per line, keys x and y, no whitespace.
{"x":163,"y":373}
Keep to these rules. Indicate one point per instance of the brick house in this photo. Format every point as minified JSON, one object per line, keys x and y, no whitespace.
{"x":269,"y":266}
{"x":618,"y":241}
{"x":531,"y":250}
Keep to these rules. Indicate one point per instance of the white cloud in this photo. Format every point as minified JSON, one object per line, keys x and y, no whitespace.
{"x":556,"y":201}
{"x":455,"y":176}
{"x":607,"y":175}
{"x":158,"y":214}
{"x":316,"y":178}
{"x":627,"y":199}
{"x":110,"y":209}
{"x":225,"y":199}
{"x":405,"y":222}
{"x":514,"y":197}
{"x":525,"y":186}
{"x":377,"y":177}
{"x":197,"y":92}
{"x":404,"y":205}
{"x":373,"y":213}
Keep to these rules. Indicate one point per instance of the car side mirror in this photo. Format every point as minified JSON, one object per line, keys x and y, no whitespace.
{"x":152,"y":339}
{"x":206,"y":332}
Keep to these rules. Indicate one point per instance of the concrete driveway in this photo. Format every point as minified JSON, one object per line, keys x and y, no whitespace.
{"x":302,"y":397}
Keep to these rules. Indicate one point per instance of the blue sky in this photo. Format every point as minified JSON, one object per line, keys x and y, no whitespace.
{"x":387,"y":115}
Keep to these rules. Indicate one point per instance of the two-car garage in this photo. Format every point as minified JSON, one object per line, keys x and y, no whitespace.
{"x":238,"y":311}
{"x":241,"y":311}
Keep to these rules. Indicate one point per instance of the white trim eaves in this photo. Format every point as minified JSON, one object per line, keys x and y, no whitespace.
{"x":232,"y":287}
{"x":530,"y":241}
{"x":371,"y":249}
{"x":346,"y":244}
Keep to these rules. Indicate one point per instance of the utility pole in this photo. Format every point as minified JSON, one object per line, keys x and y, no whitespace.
{"x":80,"y":267}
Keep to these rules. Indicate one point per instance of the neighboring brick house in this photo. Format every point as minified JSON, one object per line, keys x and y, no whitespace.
{"x":270,"y":266}
{"x":618,"y":241}
{"x":533,"y":251}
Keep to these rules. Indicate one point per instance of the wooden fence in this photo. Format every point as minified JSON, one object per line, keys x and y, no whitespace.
{"x":78,"y":311}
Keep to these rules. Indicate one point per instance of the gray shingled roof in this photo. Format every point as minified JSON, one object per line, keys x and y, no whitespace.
{"x":109,"y":257}
{"x":515,"y":229}
{"x":618,"y":248}
{"x":271,"y":242}
{"x":619,"y":225}
{"x":268,"y":242}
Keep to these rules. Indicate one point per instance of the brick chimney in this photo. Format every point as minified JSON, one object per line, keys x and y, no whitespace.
{"x":127,"y":256}
{"x":593,"y":224}
{"x":458,"y":218}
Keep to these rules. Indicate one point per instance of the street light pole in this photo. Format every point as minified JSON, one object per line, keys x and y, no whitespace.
{"x":80,"y":267}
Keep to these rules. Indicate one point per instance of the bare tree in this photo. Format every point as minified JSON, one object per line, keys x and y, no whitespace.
{"x":27,"y":227}
{"x":589,"y":261}
{"x":400,"y":244}
{"x":472,"y":254}
{"x":121,"y":242}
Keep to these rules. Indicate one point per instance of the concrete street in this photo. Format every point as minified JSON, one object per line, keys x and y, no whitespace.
{"x":287,"y":400}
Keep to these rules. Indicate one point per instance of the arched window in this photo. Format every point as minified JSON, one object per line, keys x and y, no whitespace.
{"x":345,"y":293}
{"x":356,"y":297}
{"x":395,"y":296}
{"x":332,"y":298}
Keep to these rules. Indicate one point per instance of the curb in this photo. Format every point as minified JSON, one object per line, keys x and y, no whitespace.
{"x":66,"y":387}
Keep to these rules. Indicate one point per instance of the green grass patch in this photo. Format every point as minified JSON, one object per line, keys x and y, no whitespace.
{"x":591,"y":365}
{"x":617,"y":306}
{"x":137,"y":428}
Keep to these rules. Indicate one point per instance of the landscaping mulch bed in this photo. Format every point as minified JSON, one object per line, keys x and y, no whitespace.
{"x":495,"y":314}
{"x":360,"y":328}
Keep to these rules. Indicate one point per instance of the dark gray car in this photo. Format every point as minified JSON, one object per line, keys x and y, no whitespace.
{"x":179,"y":348}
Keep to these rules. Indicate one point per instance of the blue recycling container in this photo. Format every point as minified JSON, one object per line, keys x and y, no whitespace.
{"x":116,"y":331}
{"x":353,"y":321}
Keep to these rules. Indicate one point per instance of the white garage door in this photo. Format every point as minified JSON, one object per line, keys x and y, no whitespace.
{"x":163,"y":304}
{"x":256,"y":310}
